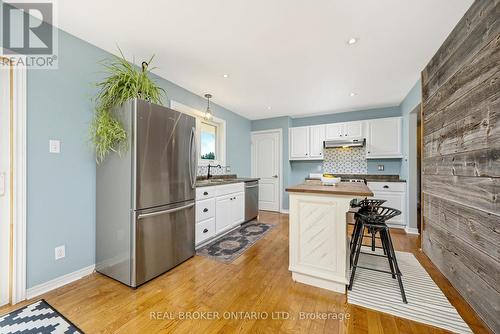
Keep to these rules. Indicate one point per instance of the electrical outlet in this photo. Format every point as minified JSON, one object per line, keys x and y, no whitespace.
{"x":54,"y":146}
{"x":380,"y":167}
{"x":60,"y":252}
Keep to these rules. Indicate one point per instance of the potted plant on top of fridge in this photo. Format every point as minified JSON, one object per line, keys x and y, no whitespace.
{"x":123,"y":83}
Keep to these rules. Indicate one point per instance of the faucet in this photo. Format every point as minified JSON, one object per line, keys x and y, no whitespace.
{"x":209,"y":166}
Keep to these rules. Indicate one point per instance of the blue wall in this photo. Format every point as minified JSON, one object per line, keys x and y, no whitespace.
{"x":61,"y":187}
{"x":295,"y":171}
{"x":409,"y":103}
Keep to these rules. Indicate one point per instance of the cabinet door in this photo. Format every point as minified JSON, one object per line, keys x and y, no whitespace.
{"x":237,"y":209}
{"x":299,"y":143}
{"x":316,"y":139}
{"x":335,"y":131}
{"x":223,"y":213}
{"x":354,"y":129}
{"x":394,"y":200}
{"x":383,"y":138}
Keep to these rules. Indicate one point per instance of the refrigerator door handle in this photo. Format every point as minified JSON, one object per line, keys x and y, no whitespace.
{"x":192,"y":164}
{"x":152,"y":214}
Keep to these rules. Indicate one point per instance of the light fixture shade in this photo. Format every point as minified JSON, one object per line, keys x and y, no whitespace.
{"x":208,"y":113}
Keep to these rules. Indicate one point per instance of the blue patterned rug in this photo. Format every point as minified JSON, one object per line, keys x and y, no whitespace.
{"x":235,"y":243}
{"x":39,"y":318}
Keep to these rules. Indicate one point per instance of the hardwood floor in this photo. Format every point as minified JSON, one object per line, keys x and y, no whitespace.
{"x":258,"y":281}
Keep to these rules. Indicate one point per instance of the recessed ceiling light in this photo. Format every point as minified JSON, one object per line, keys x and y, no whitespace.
{"x":353,"y":94}
{"x":352,"y":40}
{"x":269,"y":108}
{"x":225,"y":75}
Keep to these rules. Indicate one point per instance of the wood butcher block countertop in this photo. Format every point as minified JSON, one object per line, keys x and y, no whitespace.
{"x":342,"y":188}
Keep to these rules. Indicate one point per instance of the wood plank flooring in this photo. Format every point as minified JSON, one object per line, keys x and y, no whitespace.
{"x":258,"y":281}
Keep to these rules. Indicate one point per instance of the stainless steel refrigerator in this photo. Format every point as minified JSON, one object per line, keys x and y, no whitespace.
{"x":145,"y":197}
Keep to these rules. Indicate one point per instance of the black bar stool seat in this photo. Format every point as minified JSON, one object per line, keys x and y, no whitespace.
{"x":373,"y":220}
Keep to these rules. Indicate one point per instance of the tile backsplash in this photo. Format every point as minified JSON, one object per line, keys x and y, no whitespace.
{"x":203,"y":170}
{"x":345,"y":160}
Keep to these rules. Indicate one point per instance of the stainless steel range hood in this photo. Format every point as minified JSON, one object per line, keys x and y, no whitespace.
{"x":353,"y":142}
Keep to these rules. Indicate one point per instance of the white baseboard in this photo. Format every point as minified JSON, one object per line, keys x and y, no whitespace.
{"x":411,"y":230}
{"x":40,"y":289}
{"x":285,"y":211}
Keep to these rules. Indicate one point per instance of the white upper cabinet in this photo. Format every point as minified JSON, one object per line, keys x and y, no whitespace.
{"x":337,"y":131}
{"x":354,"y":129}
{"x":317,"y":135}
{"x":299,"y":143}
{"x":384,"y":138}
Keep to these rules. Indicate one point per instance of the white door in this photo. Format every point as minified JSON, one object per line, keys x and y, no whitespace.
{"x":266,"y":165}
{"x":334,"y":131}
{"x":383,"y":139}
{"x":223,"y":212}
{"x":5,"y":166}
{"x":299,"y":142}
{"x":354,"y":129}
{"x":316,"y":139}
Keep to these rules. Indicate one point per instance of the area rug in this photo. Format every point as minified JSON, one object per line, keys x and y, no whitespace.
{"x":235,"y":243}
{"x":426,"y":302}
{"x":38,"y":317}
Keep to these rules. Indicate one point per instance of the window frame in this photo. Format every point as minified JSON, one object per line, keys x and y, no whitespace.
{"x":220,"y":140}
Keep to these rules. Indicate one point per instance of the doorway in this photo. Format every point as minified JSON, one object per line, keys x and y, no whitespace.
{"x":12,"y":181}
{"x":6,"y":176}
{"x":266,"y":162}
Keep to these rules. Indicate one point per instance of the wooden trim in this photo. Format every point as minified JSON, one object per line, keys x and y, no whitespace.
{"x":422,"y":124}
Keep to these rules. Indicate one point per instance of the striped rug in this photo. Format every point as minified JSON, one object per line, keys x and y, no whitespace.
{"x":426,"y":302}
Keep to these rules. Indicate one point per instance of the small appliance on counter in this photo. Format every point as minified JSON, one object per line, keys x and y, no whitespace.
{"x":329,"y":179}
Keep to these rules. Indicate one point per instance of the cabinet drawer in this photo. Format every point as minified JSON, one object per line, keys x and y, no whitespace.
{"x":387,"y":186}
{"x":204,"y":230}
{"x":229,"y":189}
{"x":205,"y":192}
{"x":205,"y":209}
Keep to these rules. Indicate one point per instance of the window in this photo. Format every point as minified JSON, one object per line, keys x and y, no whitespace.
{"x":208,"y":141}
{"x":210,"y":136}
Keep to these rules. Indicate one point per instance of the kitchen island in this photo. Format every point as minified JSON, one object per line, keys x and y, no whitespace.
{"x":318,"y":232}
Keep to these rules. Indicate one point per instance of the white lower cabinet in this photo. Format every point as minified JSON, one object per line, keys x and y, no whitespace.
{"x":230,"y":211}
{"x":395,"y":195}
{"x":219,"y":214}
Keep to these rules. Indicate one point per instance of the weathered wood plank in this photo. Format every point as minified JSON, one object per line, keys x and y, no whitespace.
{"x":479,"y":98}
{"x":476,"y":131}
{"x":484,"y":265}
{"x":487,"y":28}
{"x":481,"y":193}
{"x":483,"y":298}
{"x":472,"y":73}
{"x":470,"y":21}
{"x":483,"y":163}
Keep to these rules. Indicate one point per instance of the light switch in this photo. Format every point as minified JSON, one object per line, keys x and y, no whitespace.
{"x":381,"y":167}
{"x":54,"y":146}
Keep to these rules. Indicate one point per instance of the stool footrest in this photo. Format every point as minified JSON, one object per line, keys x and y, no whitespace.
{"x":374,"y":269}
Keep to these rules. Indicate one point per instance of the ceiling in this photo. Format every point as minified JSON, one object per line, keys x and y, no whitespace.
{"x":283,"y":57}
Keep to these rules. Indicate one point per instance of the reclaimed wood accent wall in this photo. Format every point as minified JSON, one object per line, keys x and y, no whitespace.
{"x":461,"y":159}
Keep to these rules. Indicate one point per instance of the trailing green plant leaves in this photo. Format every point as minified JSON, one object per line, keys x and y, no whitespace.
{"x":124,"y":82}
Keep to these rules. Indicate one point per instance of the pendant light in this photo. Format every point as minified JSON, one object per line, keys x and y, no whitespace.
{"x":208,"y":113}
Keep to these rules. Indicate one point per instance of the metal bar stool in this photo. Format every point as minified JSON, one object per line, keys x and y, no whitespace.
{"x":374,"y":220}
{"x":363,"y":205}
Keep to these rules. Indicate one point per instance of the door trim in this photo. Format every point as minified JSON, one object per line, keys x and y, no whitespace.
{"x":18,"y":185}
{"x":280,"y":178}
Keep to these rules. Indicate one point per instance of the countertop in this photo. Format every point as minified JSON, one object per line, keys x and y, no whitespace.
{"x":368,"y":177}
{"x":216,"y":181}
{"x":342,"y":188}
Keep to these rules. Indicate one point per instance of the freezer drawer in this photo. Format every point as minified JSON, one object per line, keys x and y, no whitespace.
{"x":164,"y":238}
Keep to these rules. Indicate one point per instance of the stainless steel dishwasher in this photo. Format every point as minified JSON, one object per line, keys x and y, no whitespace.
{"x":251,"y":200}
